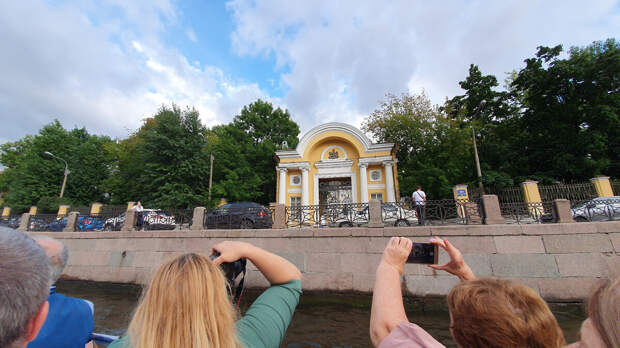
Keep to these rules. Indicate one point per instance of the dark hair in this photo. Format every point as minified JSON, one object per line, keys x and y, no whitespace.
{"x":24,"y":283}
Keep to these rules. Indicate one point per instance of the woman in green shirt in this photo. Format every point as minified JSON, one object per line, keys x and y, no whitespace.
{"x":187,"y":304}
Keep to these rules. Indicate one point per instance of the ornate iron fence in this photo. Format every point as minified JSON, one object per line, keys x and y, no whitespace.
{"x":327,"y":215}
{"x":573,"y":192}
{"x":527,"y":213}
{"x":11,"y":221}
{"x":46,"y":223}
{"x":512,"y":194}
{"x":597,"y":209}
{"x":615,"y":186}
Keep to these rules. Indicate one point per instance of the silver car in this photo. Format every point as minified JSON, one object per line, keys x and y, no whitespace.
{"x":598,"y":209}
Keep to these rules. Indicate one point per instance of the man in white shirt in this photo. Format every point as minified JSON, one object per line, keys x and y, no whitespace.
{"x":420,"y":204}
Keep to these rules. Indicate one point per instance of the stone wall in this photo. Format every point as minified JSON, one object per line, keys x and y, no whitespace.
{"x":560,"y":261}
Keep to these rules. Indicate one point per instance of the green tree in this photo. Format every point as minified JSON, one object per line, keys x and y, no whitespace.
{"x":165,"y":163}
{"x":571,"y":112}
{"x":30,"y":174}
{"x":434,"y":150}
{"x":244,"y":168}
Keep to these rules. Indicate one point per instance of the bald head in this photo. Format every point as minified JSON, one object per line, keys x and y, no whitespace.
{"x":57,"y":254}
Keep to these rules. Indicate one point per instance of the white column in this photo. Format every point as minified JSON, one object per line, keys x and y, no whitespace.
{"x":364,"y":181}
{"x":305,"y":194}
{"x":389,"y":181}
{"x":282,"y":189}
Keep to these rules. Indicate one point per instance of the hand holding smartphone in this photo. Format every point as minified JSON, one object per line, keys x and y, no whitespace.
{"x":425,"y":253}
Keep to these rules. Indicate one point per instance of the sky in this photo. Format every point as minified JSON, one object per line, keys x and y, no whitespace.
{"x":108,"y":64}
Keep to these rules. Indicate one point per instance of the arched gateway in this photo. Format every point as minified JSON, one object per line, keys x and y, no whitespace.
{"x":336,"y":163}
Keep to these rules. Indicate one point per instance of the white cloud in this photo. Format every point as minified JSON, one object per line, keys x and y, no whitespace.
{"x":191,"y":35}
{"x":343,"y":56}
{"x":106,"y":75}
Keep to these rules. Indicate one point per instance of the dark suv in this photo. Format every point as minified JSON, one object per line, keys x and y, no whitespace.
{"x":244,"y":215}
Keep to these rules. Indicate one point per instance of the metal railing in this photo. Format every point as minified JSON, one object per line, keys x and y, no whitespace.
{"x":597,"y":209}
{"x":47,"y":223}
{"x":165,"y":219}
{"x":11,"y":221}
{"x":573,"y":192}
{"x":327,"y":215}
{"x":528,"y":213}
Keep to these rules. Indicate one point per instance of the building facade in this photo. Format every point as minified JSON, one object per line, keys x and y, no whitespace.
{"x":336,"y":163}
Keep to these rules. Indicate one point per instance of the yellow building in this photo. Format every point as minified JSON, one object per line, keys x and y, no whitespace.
{"x":336,"y":163}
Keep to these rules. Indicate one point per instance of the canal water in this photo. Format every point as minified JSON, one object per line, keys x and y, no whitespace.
{"x":322,"y":320}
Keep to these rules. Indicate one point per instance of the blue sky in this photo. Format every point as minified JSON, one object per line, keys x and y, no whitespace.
{"x":108,"y":64}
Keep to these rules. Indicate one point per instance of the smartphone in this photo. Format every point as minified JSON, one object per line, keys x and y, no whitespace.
{"x":423,"y":253}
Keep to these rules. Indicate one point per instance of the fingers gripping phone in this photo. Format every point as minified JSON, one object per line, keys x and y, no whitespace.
{"x":426,"y":253}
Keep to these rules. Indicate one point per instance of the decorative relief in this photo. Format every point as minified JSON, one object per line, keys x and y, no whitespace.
{"x":375,"y":175}
{"x":295,"y":180}
{"x":333,"y":154}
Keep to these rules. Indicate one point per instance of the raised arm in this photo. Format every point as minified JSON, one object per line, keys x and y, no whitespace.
{"x":276,"y":269}
{"x":387,"y":298}
{"x":456,"y":265}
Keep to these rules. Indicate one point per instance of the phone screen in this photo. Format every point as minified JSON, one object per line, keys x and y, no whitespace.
{"x":423,"y":253}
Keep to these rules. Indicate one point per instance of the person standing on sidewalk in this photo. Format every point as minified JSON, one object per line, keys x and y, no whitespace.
{"x":419,"y":197}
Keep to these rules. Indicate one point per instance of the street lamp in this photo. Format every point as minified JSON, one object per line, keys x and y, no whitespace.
{"x":64,"y":181}
{"x":473,"y":136}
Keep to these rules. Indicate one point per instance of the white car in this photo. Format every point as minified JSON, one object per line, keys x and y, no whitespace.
{"x":392,"y":215}
{"x":598,"y":209}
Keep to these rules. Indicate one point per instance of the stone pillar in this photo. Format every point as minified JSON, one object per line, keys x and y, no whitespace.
{"x":95,"y":209}
{"x":131,"y":217}
{"x":130,"y":205}
{"x":492,"y":212}
{"x":374,"y":214}
{"x":279,"y":217}
{"x":305,"y":189}
{"x":363,"y":182}
{"x":24,"y":223}
{"x":562,"y":210}
{"x":282,"y":187}
{"x":532,"y":195}
{"x":198,"y":219}
{"x":72,"y":220}
{"x":33,"y":210}
{"x":6,"y":212}
{"x":389,"y":181}
{"x":602,"y":186}
{"x":63,"y":210}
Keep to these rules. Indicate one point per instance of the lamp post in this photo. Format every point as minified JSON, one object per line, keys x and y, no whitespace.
{"x":473,"y":136}
{"x":64,"y":181}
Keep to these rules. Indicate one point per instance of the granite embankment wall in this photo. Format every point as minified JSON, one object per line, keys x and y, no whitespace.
{"x":560,"y":261}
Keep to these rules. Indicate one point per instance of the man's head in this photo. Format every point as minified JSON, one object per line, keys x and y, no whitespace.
{"x":418,"y":187}
{"x":490,"y":312}
{"x":24,"y":287}
{"x":57,"y":254}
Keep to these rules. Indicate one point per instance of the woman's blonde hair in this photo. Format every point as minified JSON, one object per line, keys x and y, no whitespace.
{"x":490,"y":312}
{"x":604,"y":311}
{"x":185,"y":305}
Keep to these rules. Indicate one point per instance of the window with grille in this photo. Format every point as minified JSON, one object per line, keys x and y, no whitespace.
{"x":378,"y":196}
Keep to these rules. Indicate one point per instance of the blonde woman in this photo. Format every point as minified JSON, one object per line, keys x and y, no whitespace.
{"x":187,"y":303}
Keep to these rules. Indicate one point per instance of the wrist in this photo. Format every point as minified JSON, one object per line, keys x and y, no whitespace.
{"x":466,"y":274}
{"x":388,"y":266}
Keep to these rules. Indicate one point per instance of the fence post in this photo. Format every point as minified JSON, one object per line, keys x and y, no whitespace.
{"x":279,"y":216}
{"x":72,"y":219}
{"x":6,"y":212}
{"x":374,"y":214}
{"x":62,"y":211}
{"x":95,"y":209}
{"x":531,"y":196}
{"x":24,"y":223}
{"x":198,"y":219}
{"x":602,"y":186}
{"x":33,"y":210}
{"x":492,"y":211}
{"x":131,"y":217}
{"x":562,"y":210}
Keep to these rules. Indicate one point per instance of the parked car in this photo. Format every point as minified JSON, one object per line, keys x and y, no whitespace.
{"x":598,"y":209}
{"x":84,"y":224}
{"x":114,"y":223}
{"x":243,"y":215}
{"x":392,"y":214}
